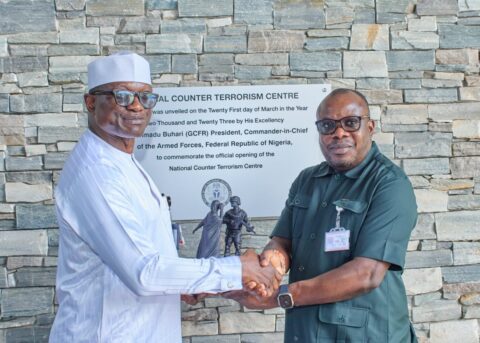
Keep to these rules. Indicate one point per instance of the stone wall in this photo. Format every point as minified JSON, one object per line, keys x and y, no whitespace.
{"x":417,"y":61}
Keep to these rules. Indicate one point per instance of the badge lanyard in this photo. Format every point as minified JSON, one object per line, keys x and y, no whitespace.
{"x":338,"y":238}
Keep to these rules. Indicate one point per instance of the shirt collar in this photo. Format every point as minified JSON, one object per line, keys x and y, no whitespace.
{"x":324,"y":169}
{"x":106,"y":147}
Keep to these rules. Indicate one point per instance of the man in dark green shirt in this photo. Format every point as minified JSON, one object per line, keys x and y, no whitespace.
{"x":343,"y":234}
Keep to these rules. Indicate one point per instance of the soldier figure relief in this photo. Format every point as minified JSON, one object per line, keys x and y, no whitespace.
{"x":235,"y":219}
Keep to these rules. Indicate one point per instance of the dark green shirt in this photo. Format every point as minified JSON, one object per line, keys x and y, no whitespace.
{"x":380,"y":211}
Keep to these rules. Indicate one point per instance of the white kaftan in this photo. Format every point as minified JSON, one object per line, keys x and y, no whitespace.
{"x":119,"y":276}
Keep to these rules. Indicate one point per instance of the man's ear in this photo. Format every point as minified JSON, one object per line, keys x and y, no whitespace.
{"x":89,"y":102}
{"x":371,"y":126}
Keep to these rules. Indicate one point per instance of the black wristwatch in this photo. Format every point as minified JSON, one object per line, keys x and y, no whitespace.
{"x":284,"y":298}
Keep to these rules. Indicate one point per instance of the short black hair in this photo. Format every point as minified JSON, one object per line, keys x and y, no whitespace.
{"x":98,"y":88}
{"x":345,"y":91}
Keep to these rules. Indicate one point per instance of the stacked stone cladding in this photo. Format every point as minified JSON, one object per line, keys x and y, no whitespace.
{"x":417,"y":62}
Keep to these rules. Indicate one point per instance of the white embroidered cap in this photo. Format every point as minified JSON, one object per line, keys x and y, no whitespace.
{"x":123,"y":66}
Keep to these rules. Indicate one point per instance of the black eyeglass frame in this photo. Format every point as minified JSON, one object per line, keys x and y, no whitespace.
{"x":135,"y":94}
{"x":340,"y":122}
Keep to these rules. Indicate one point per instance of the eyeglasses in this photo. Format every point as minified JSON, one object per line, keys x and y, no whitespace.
{"x":126,"y":98}
{"x":349,"y":124}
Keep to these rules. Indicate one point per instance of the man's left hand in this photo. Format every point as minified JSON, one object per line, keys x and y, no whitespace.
{"x":193,"y":299}
{"x":251,"y":301}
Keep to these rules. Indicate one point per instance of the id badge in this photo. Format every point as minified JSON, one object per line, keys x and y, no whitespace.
{"x":337,"y":239}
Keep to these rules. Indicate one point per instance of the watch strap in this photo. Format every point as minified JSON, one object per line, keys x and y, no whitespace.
{"x":283,"y":289}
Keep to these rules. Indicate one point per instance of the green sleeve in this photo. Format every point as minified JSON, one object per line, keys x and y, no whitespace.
{"x":391,"y":217}
{"x":283,"y":228}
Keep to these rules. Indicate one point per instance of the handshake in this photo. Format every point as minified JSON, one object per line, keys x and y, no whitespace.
{"x":261,"y":277}
{"x":262,"y":274}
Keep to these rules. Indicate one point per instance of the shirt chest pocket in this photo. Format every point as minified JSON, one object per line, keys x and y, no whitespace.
{"x":353,"y":214}
{"x":300,"y":205}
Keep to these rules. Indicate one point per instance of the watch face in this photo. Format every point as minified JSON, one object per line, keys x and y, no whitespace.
{"x":285,"y":300}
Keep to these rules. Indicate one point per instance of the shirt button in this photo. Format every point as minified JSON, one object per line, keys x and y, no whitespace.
{"x":297,"y":201}
{"x":301,"y":268}
{"x":295,"y":338}
{"x":324,"y":204}
{"x":230,"y":285}
{"x":312,"y":236}
{"x":341,"y":318}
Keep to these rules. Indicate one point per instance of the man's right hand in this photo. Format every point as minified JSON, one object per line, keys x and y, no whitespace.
{"x":262,"y":280}
{"x":275,"y":258}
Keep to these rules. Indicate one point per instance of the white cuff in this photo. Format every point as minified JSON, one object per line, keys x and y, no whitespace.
{"x":231,"y":271}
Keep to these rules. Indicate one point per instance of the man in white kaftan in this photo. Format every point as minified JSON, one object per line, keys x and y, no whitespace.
{"x":119,"y":276}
